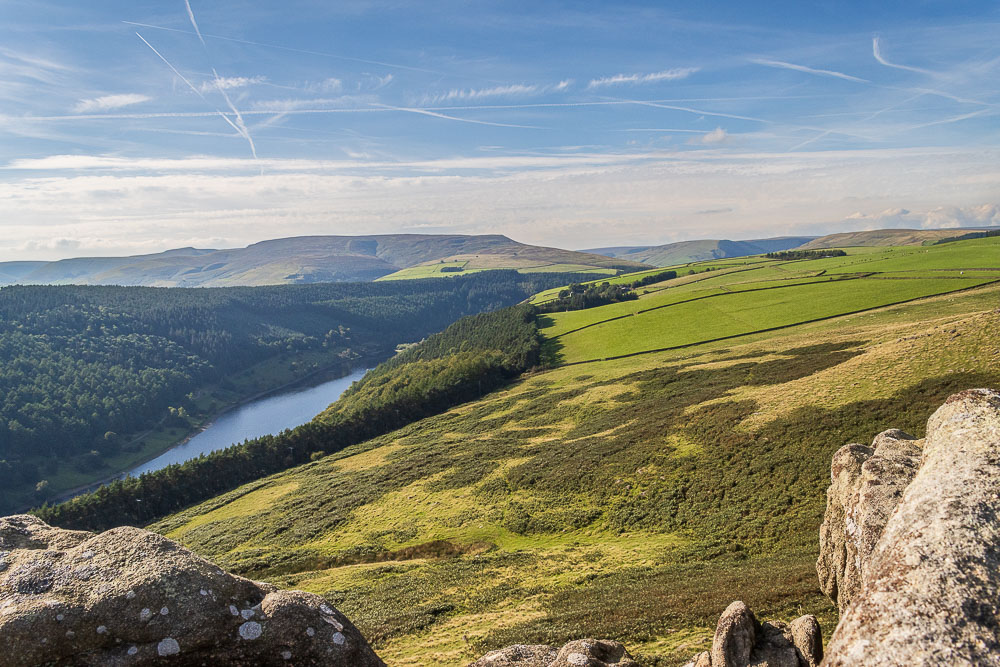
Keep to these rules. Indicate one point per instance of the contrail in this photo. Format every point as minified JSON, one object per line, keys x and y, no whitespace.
{"x":239,"y":119}
{"x":697,"y":111}
{"x":877,"y":52}
{"x":808,"y":70}
{"x":427,"y":112}
{"x":193,"y":22}
{"x":239,"y":125}
{"x":312,"y":53}
{"x":190,"y":85}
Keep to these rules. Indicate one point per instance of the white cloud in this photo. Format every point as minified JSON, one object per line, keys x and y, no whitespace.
{"x":295,"y":104}
{"x":108,"y":102}
{"x":939,"y":217}
{"x":564,"y":84}
{"x":231,"y":82}
{"x":593,"y":198}
{"x":665,"y":75}
{"x":58,"y":244}
{"x":328,"y":85}
{"x":472,"y":94}
{"x":716,"y":136}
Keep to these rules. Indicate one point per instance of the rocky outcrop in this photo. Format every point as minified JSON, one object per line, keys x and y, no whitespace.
{"x":741,"y":640}
{"x":578,"y":653}
{"x":867,"y":485}
{"x":912,"y":555}
{"x":128,"y":596}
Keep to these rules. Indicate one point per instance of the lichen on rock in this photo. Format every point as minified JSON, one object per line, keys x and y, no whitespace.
{"x":146,"y":599}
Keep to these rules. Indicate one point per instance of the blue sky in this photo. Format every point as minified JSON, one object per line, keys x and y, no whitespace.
{"x":131,"y":127}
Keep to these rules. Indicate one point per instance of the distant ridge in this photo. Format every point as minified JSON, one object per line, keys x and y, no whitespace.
{"x":310,"y":259}
{"x":884,"y":237}
{"x":683,"y":252}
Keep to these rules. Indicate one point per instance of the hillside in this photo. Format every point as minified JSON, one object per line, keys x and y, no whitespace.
{"x":698,"y":251}
{"x":632,"y":498}
{"x":312,"y":259}
{"x":11,"y":272}
{"x":96,"y":379}
{"x":880,"y":237}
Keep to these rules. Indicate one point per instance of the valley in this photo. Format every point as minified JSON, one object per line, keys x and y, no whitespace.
{"x":629,"y":497}
{"x":98,"y":379}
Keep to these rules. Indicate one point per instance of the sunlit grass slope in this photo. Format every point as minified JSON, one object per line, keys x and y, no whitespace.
{"x":631,"y":499}
{"x":764,"y":296}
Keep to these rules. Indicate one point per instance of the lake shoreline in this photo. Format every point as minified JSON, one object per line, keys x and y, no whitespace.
{"x":313,"y":379}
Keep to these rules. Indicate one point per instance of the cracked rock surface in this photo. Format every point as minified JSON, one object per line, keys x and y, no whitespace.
{"x":911,"y":549}
{"x":128,"y":596}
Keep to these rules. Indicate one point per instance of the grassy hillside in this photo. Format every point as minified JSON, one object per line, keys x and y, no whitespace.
{"x":879,"y":237}
{"x":632,"y":498}
{"x":312,"y":259}
{"x":700,"y":250}
{"x":93,"y":377}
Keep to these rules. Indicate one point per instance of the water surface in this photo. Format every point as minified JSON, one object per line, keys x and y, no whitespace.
{"x":264,"y":416}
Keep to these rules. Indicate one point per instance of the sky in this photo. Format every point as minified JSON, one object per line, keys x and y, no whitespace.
{"x":135,"y":127}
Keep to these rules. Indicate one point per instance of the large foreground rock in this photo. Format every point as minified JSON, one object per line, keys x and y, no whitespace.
{"x":578,"y":653}
{"x":867,"y":485}
{"x":128,"y":596}
{"x":741,"y":641}
{"x":910,"y":547}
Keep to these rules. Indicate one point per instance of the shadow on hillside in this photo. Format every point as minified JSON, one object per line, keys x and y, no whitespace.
{"x":551,"y":352}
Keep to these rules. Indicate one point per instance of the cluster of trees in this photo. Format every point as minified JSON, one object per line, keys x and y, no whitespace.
{"x":971,"y":235}
{"x":653,"y":278}
{"x":468,"y":359}
{"x":578,"y":297}
{"x":78,"y":362}
{"x":805,"y":254}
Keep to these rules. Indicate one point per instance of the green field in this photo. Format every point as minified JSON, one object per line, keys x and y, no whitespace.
{"x":435,"y":270}
{"x":430,"y":271}
{"x":730,"y":314}
{"x":681,"y":312}
{"x":632,"y":499}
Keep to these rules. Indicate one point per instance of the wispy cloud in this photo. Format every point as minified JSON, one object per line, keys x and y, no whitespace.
{"x":808,"y":70}
{"x":108,"y":102}
{"x":231,"y":82}
{"x":194,"y":23}
{"x":564,"y":84}
{"x":665,"y":75}
{"x":600,"y":200}
{"x":716,"y":136}
{"x":472,"y":94}
{"x":877,"y":52}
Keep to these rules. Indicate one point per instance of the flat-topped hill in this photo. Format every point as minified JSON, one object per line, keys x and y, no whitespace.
{"x":312,"y":259}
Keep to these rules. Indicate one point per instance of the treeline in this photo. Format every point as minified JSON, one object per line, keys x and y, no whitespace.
{"x":470,"y":358}
{"x":966,"y":237}
{"x":805,"y":254}
{"x":579,"y":297}
{"x":653,"y":278}
{"x":83,"y":366}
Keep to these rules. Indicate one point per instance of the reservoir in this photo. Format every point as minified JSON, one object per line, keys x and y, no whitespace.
{"x":269,"y":415}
